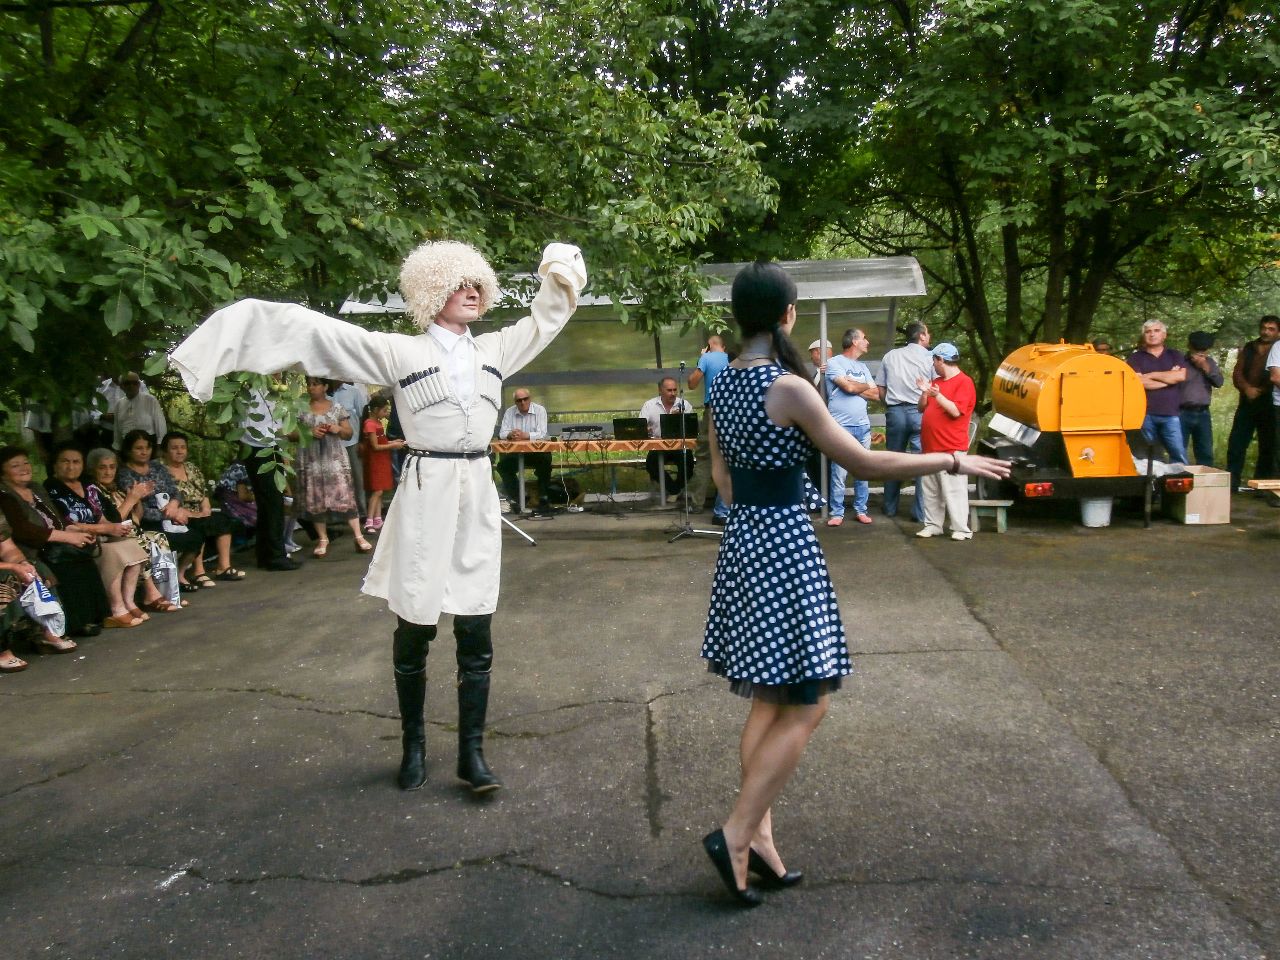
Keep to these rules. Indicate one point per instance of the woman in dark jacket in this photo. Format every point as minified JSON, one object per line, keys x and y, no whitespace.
{"x":40,"y":531}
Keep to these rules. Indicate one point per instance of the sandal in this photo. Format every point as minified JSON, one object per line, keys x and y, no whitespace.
{"x":231,"y":573}
{"x":322,"y":548}
{"x":162,"y":606}
{"x":363,"y":545}
{"x":111,"y":623}
{"x":139,"y":615}
{"x":205,"y":582}
{"x":61,"y":645}
{"x":187,"y":587}
{"x":12,"y":664}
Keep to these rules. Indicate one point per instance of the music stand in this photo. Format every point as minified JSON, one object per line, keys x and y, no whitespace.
{"x":687,"y":529}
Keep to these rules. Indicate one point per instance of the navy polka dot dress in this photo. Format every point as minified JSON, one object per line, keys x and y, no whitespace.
{"x":773,"y":628}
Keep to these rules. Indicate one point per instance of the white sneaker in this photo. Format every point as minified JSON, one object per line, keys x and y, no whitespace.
{"x":574,"y":508}
{"x":957,"y":535}
{"x":291,"y":547}
{"x":926,"y":533}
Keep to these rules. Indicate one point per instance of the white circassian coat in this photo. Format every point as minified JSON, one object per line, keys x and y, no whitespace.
{"x":440,"y":549}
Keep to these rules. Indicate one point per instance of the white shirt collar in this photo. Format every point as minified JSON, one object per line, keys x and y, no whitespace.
{"x":447,"y":338}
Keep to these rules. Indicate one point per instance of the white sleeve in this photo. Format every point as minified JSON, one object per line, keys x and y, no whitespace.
{"x":262,"y":337}
{"x":564,"y":275}
{"x":1273,"y":357}
{"x":508,"y":422}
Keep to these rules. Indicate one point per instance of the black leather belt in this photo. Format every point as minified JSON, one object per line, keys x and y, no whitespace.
{"x":781,"y":487}
{"x":447,"y":454}
{"x":1195,"y":407}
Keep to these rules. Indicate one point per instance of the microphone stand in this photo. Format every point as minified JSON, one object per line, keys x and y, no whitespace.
{"x":687,"y":529}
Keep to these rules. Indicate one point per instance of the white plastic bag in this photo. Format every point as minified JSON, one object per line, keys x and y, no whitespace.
{"x":164,"y":572}
{"x":39,"y":603}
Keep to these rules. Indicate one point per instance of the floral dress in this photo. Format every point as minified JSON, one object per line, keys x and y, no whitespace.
{"x":773,"y":627}
{"x":324,"y":472}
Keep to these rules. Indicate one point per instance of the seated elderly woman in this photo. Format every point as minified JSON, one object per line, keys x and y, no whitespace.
{"x":101,"y":466}
{"x":161,"y":508}
{"x":87,"y":508}
{"x":40,"y":531}
{"x":15,"y":573}
{"x":194,"y":496}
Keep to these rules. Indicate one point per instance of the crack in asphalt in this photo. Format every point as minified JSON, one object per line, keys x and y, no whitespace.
{"x":510,"y":860}
{"x":73,"y":770}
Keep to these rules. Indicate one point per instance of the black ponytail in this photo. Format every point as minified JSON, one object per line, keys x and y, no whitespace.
{"x":761,"y":294}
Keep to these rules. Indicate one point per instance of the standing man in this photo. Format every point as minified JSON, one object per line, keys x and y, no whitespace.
{"x":524,"y":420}
{"x":353,"y":398}
{"x":667,"y":401}
{"x":136,"y":411}
{"x":1273,"y":371}
{"x":1203,"y":377}
{"x":1254,"y":413}
{"x":262,"y":439}
{"x":1162,"y":372}
{"x":946,"y":407}
{"x":849,"y":387}
{"x":901,"y":371}
{"x":447,"y":387}
{"x":819,"y":354}
{"x":713,"y":359}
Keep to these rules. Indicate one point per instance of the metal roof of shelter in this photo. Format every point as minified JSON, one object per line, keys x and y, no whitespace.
{"x":816,"y":280}
{"x":832,"y":279}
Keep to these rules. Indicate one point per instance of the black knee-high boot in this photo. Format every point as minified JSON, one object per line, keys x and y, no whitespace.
{"x":475,"y":658}
{"x":410,"y":657}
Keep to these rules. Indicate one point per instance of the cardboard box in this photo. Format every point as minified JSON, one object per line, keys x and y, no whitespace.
{"x":1209,"y":500}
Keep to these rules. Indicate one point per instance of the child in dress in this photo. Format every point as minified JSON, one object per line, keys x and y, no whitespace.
{"x":377,"y":458}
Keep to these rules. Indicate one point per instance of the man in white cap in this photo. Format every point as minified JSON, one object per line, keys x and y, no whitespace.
{"x":819,"y":354}
{"x":441,"y":544}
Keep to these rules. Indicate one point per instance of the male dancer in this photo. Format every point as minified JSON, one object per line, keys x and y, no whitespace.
{"x":440,"y":547}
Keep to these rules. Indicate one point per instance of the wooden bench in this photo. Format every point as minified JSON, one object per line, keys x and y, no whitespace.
{"x":989,"y":508}
{"x":1270,"y":487}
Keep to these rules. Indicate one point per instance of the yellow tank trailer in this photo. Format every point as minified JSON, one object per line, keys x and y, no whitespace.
{"x":1064,"y":418}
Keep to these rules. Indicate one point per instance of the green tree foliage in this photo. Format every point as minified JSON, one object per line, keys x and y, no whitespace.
{"x":163,"y":157}
{"x":1037,"y":156}
{"x":1047,"y":152}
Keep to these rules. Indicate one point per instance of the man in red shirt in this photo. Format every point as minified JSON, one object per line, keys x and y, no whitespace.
{"x":946,"y":407}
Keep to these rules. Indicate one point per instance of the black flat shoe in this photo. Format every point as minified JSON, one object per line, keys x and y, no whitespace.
{"x":718,"y":851}
{"x":768,"y":879}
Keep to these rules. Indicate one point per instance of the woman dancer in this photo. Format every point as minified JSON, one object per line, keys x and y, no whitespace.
{"x":773,"y":628}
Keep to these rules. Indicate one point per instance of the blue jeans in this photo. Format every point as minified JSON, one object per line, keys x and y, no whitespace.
{"x":1197,"y":433}
{"x":902,"y":433}
{"x":719,"y":508}
{"x":1168,"y":432}
{"x":861,"y":489}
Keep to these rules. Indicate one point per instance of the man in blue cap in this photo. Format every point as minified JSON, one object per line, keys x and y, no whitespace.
{"x":946,"y":407}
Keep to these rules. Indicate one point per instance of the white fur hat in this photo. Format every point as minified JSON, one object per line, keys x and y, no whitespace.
{"x":432,"y":272}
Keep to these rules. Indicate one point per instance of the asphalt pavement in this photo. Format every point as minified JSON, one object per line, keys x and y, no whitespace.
{"x":1059,"y":743}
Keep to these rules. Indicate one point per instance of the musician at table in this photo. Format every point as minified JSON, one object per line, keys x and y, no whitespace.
{"x":524,"y":420}
{"x":667,"y":401}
